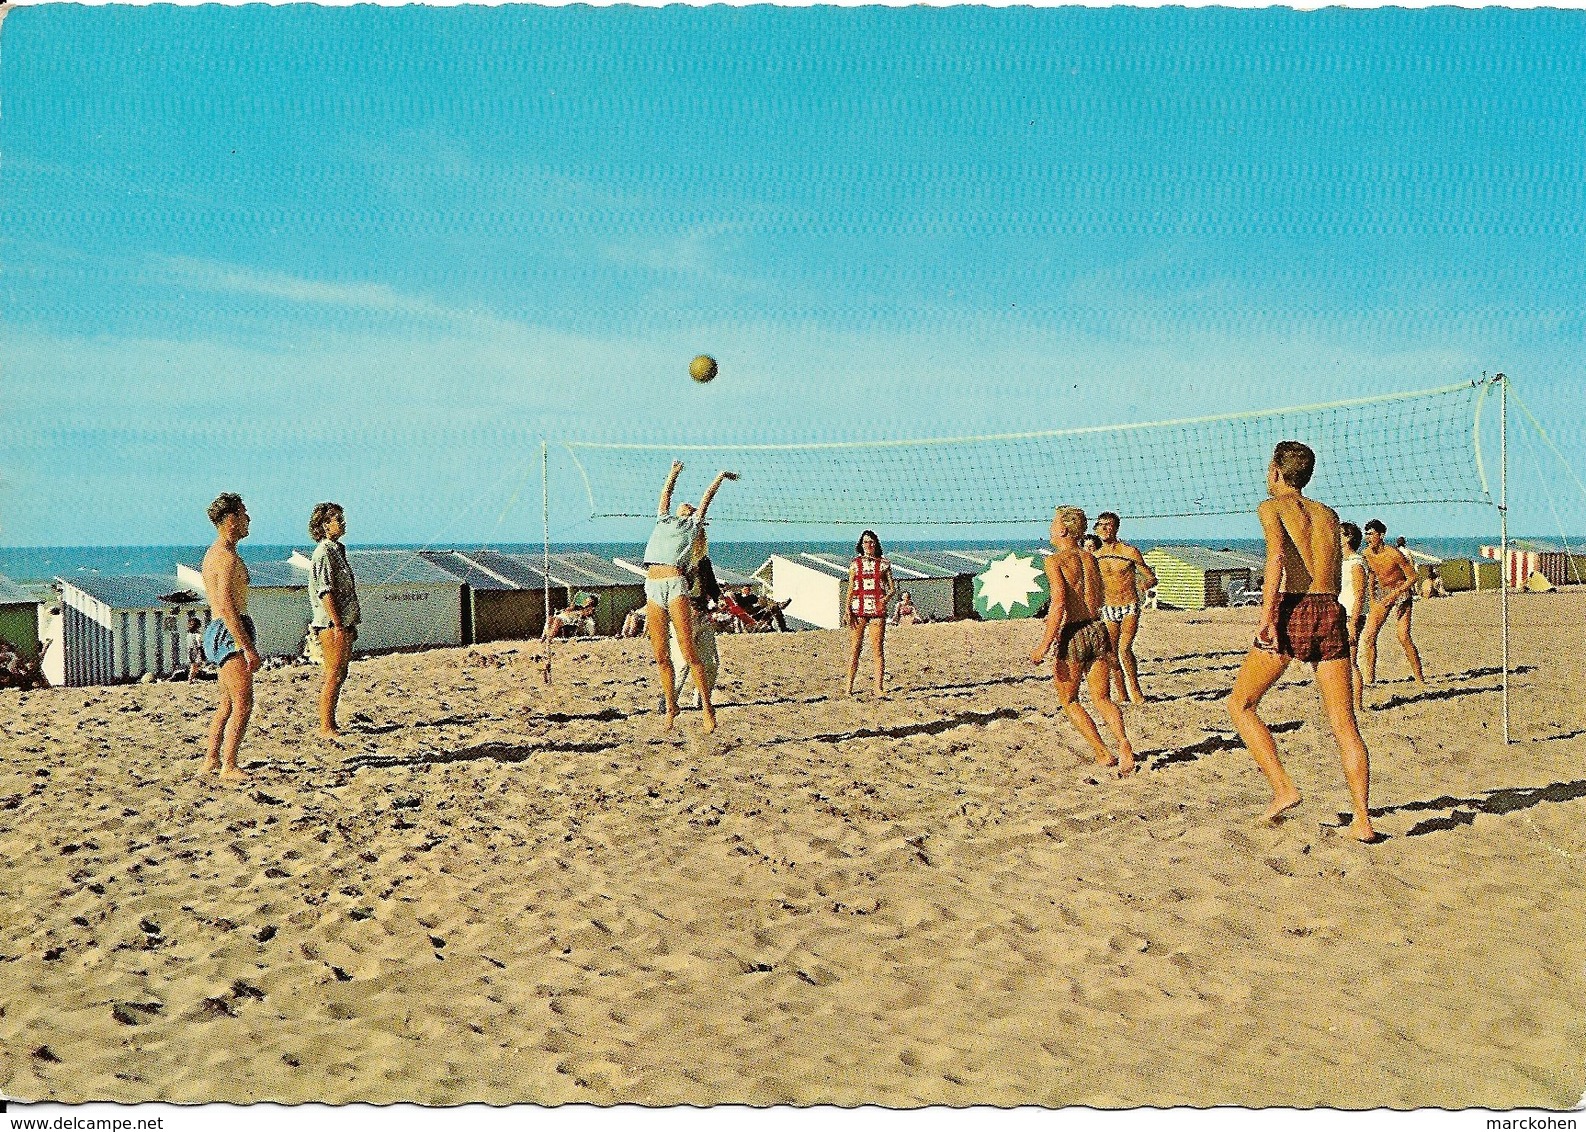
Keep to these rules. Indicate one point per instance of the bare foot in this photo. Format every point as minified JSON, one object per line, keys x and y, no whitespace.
{"x":708,"y":725}
{"x":1108,"y":760}
{"x":1281,"y":804}
{"x":1126,"y":766}
{"x":211,"y":766}
{"x":234,"y":774}
{"x":1137,"y":699}
{"x":671,"y":719}
{"x":1360,"y":829}
{"x":850,"y":688}
{"x":330,"y":733}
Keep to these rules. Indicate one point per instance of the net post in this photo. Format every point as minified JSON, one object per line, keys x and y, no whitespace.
{"x":1503,"y":535}
{"x":545,"y":576}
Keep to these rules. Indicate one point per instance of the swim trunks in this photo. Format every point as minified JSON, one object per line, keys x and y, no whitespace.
{"x":1118,"y":613}
{"x":1082,"y":642}
{"x":1312,"y":628}
{"x":220,"y":646}
{"x":664,"y":591}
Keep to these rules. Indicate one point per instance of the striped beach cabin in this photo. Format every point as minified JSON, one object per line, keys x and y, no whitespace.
{"x":1527,"y":557}
{"x":277,"y":602}
{"x":1194,"y":577}
{"x":115,"y":629}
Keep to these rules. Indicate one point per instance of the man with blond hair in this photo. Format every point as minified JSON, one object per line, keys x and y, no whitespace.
{"x":1301,"y":619}
{"x":1083,"y":646}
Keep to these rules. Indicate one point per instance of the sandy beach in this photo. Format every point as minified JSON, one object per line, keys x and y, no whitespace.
{"x":501,"y":891}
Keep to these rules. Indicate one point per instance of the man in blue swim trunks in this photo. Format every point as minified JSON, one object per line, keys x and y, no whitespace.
{"x":228,"y":639}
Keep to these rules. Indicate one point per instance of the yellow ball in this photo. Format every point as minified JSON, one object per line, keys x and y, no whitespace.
{"x":702,"y":368}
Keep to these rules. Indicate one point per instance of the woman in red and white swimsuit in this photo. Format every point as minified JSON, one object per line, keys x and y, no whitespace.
{"x":869,"y":589}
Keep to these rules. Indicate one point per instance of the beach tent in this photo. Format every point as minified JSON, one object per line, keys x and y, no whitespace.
{"x":117,"y":628}
{"x":406,"y":602}
{"x":1193,"y":577}
{"x":19,"y":619}
{"x":277,"y":602}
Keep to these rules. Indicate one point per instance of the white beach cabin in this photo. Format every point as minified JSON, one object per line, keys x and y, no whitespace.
{"x":277,"y":602}
{"x":406,"y":602}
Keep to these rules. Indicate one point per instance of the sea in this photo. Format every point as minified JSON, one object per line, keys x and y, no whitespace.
{"x":38,"y":564}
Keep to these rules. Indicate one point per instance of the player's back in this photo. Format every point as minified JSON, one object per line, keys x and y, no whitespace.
{"x":1312,"y":556}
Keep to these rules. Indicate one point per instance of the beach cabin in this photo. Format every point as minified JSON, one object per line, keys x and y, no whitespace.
{"x":575,"y":571}
{"x":502,"y":600}
{"x":406,"y":602}
{"x":1194,"y":577}
{"x":964,"y":565}
{"x":277,"y":602}
{"x":115,"y":629}
{"x":817,"y":585}
{"x":19,"y":619}
{"x":1527,"y":557}
{"x":942,"y":583}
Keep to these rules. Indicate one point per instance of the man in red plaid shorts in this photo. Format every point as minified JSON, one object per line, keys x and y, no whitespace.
{"x":1301,"y":619}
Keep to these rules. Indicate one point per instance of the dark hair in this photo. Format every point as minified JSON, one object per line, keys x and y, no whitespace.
{"x":859,"y":547}
{"x":322,"y":514}
{"x":1093,"y":541}
{"x":1117,"y":522}
{"x":1399,"y":542}
{"x":226,"y":503}
{"x":1295,"y":462}
{"x":1351,"y":535}
{"x":1377,"y":525}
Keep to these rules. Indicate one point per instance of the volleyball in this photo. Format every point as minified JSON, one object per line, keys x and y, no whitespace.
{"x":702,"y":368}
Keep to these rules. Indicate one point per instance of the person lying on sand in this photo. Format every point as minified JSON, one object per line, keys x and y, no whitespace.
{"x":1083,"y":646}
{"x":1301,"y":619}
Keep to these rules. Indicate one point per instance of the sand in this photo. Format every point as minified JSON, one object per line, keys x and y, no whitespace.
{"x":498,"y":891}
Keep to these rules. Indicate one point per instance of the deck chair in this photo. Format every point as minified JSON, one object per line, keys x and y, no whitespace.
{"x":743,"y":620}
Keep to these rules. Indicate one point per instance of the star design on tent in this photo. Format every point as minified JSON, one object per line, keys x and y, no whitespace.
{"x":1010,"y":581}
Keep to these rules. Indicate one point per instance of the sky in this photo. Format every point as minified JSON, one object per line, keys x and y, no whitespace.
{"x":377,"y":254}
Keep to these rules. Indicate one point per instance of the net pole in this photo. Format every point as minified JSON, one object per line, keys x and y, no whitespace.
{"x":1503,"y":535}
{"x":545,"y":575}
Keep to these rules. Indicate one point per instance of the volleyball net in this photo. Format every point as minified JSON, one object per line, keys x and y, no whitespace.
{"x":1423,"y":447}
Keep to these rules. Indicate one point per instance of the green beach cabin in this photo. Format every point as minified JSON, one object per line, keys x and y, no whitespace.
{"x":19,"y":619}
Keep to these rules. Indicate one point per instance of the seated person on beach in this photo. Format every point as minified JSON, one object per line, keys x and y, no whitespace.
{"x":15,"y":671}
{"x":228,"y":638}
{"x":763,"y":609}
{"x":904,"y":612}
{"x":1391,"y":590}
{"x":666,"y":555}
{"x":633,"y":624}
{"x":577,"y":619}
{"x":1123,"y":569}
{"x":1301,"y":619}
{"x":1084,"y":649}
{"x":195,"y":646}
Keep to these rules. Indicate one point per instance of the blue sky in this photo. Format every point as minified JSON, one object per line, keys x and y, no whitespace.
{"x":374,"y":254}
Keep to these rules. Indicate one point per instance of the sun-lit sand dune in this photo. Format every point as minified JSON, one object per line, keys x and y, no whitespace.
{"x":501,"y":891}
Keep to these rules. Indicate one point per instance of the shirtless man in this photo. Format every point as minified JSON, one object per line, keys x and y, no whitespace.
{"x":228,"y":639}
{"x":1391,"y":588}
{"x":1301,"y":619}
{"x":1083,"y":646}
{"x":1120,"y":564}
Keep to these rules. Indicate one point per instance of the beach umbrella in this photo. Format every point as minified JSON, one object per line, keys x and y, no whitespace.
{"x":1011,"y":586}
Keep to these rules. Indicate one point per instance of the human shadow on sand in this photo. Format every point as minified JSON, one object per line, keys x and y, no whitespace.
{"x":902,"y":731}
{"x":1463,"y":811}
{"x":1210,"y":745}
{"x":500,"y":752}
